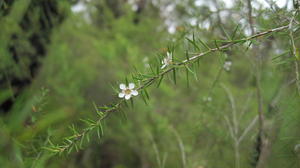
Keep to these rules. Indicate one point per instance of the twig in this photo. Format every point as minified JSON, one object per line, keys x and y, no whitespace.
{"x":294,"y":52}
{"x":245,"y":107}
{"x":158,"y":159}
{"x":72,"y":141}
{"x":181,"y":147}
{"x":250,"y":16}
{"x":250,"y":126}
{"x":233,"y":109}
{"x":258,"y":90}
{"x":234,"y":128}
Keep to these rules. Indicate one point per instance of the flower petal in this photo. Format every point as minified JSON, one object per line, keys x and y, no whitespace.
{"x":163,"y":66}
{"x":134,"y":92}
{"x":122,"y":86}
{"x":121,"y":95}
{"x":166,"y":60}
{"x":127,"y":96}
{"x":131,"y":85}
{"x":169,"y":55}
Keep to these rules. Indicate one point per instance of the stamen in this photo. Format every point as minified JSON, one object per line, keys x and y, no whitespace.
{"x":127,"y":91}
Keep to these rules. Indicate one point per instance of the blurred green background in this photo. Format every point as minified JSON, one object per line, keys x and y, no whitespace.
{"x":57,"y":57}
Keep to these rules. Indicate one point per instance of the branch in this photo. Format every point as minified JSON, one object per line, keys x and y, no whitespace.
{"x":250,"y":126}
{"x":72,"y":141}
{"x":294,"y":51}
{"x":250,"y":16}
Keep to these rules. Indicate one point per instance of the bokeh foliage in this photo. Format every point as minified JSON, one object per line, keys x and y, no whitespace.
{"x":55,"y":63}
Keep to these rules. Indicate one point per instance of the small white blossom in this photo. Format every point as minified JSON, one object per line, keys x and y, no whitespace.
{"x":167,"y":61}
{"x":146,"y":62}
{"x":297,"y":148}
{"x":127,"y":92}
{"x":207,"y":99}
{"x":227,"y":65}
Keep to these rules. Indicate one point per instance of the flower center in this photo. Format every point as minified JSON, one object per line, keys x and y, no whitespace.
{"x":127,"y":91}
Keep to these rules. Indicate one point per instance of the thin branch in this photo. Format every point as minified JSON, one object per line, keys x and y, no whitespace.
{"x":181,"y":147}
{"x":73,"y":140}
{"x":250,"y":16}
{"x":230,"y":128}
{"x":294,"y":52}
{"x":246,"y":106}
{"x":250,"y":126}
{"x":258,"y":88}
{"x":159,"y":162}
{"x":233,"y":109}
{"x":260,"y":105}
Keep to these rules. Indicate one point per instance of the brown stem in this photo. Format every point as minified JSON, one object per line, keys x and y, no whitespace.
{"x":250,"y":16}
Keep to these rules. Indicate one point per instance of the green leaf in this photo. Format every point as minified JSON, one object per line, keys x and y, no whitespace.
{"x":204,"y":44}
{"x":195,"y":75}
{"x":193,"y":43}
{"x":124,"y":115}
{"x":159,"y":81}
{"x":143,"y":97}
{"x":82,"y":139}
{"x":146,"y":93}
{"x":234,"y":32}
{"x":216,"y":44}
{"x":98,"y":133}
{"x":187,"y":55}
{"x":131,"y":102}
{"x":250,"y":43}
{"x":225,"y":32}
{"x":187,"y":78}
{"x":101,"y":128}
{"x":174,"y":75}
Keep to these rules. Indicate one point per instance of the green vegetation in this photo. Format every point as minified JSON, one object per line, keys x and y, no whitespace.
{"x":218,"y":84}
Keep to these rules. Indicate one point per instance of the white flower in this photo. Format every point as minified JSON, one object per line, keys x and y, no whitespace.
{"x":207,"y":99}
{"x":297,"y":148}
{"x":227,"y":65}
{"x":127,"y":92}
{"x":167,"y":61}
{"x":146,"y":62}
